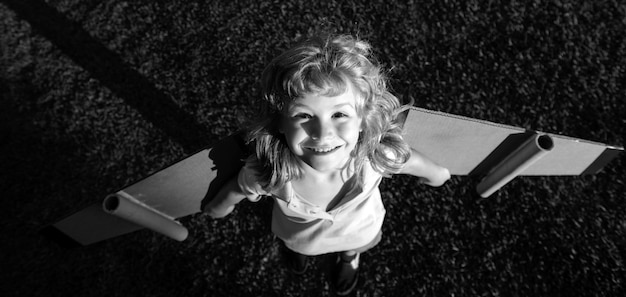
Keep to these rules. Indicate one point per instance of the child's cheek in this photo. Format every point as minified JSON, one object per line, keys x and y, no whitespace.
{"x":350,"y":129}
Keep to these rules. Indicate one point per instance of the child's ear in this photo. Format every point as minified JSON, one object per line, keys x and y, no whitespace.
{"x":279,"y":125}
{"x":281,"y":130}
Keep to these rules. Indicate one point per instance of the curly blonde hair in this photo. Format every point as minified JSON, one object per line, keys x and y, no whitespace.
{"x":328,"y":65}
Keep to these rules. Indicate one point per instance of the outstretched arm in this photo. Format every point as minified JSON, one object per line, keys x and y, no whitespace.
{"x":428,"y":171}
{"x":224,"y":202}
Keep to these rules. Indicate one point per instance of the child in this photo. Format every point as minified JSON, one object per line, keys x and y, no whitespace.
{"x":328,"y":138}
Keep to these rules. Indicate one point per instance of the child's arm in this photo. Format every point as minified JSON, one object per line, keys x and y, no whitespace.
{"x":428,"y":171}
{"x":224,"y":202}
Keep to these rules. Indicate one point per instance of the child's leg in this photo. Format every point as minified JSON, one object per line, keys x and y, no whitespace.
{"x":295,"y":262}
{"x":346,"y":272}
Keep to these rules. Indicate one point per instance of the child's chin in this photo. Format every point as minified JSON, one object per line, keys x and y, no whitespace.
{"x":325,"y":165}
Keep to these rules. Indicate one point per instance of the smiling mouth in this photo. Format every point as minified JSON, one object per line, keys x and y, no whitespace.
{"x":322,"y":150}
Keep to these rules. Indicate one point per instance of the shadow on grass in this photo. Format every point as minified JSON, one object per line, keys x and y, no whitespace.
{"x":113,"y":72}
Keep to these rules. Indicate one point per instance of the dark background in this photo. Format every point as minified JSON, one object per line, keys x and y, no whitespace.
{"x":96,"y":94}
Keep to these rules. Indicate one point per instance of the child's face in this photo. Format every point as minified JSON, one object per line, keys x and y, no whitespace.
{"x":322,"y":131}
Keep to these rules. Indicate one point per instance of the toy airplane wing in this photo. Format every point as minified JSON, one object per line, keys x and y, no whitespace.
{"x":155,"y":201}
{"x":468,"y":146}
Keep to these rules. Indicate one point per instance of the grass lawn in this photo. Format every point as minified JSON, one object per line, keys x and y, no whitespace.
{"x":96,"y":94}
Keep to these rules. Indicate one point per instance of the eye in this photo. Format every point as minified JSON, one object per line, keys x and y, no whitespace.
{"x":302,"y":116}
{"x":339,"y":115}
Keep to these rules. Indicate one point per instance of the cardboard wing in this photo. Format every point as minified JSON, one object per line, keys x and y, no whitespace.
{"x":468,"y":146}
{"x":156,"y":201}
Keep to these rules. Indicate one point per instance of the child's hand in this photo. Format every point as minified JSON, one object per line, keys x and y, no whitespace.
{"x":224,"y":202}
{"x":439,"y":178}
{"x":429,"y":172}
{"x":218,"y":212}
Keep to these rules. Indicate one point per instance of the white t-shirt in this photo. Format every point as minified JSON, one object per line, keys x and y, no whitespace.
{"x":311,"y":230}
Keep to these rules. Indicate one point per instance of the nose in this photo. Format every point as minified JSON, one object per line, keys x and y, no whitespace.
{"x":321,"y":130}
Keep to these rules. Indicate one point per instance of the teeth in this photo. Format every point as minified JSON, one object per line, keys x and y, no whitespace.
{"x":322,"y":150}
